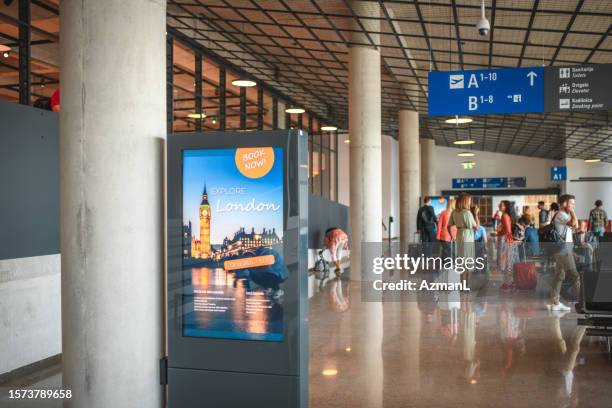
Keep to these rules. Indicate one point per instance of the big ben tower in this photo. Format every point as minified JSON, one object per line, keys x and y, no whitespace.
{"x":205,"y":226}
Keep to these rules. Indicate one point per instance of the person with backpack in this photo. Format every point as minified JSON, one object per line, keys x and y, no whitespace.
{"x":598,"y":219}
{"x":426,"y":221}
{"x":564,"y":223}
{"x":543,"y":214}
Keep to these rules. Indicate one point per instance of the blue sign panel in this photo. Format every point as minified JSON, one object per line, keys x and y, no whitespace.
{"x":495,"y":182}
{"x":558,"y":173}
{"x":477,"y":92}
{"x":489,"y":182}
{"x":467,"y":183}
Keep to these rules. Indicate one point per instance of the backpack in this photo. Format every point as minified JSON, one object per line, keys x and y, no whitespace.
{"x":518,"y":234}
{"x":548,"y":234}
{"x":424,"y":218}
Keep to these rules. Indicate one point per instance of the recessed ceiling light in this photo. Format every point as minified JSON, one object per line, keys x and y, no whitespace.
{"x":214,"y":121}
{"x":329,"y":372}
{"x":244,"y":83}
{"x":5,"y":54}
{"x":466,"y":154}
{"x":464,"y":142}
{"x":196,"y":115}
{"x":328,"y":128}
{"x":295,"y":109}
{"x":458,"y":120}
{"x":592,"y":160}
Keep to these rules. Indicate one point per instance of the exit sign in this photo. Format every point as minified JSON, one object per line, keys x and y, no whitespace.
{"x":468,"y":165}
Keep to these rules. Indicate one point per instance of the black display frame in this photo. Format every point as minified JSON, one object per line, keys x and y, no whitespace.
{"x":253,"y":361}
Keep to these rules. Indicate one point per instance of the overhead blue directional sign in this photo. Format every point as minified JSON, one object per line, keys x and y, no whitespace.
{"x":487,"y":91}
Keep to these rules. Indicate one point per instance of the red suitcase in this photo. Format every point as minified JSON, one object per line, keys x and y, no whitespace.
{"x":525,"y":276}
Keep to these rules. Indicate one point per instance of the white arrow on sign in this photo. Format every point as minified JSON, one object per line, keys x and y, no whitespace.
{"x":531,"y":75}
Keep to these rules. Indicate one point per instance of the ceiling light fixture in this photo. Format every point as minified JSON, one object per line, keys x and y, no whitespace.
{"x":329,"y":372}
{"x":592,"y":160}
{"x":196,"y":115}
{"x":464,"y":142}
{"x":244,"y":83}
{"x":295,"y":109}
{"x":458,"y":120}
{"x":466,"y":154}
{"x":347,"y":141}
{"x":328,"y":128}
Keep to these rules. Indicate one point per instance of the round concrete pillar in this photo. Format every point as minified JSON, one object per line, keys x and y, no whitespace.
{"x":428,"y":168}
{"x":409,"y":173}
{"x":365,"y":135}
{"x":112,"y":133}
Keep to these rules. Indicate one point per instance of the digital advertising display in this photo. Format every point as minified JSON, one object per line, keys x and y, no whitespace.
{"x":232,"y":243}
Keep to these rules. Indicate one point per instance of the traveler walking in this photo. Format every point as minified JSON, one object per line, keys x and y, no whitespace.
{"x":543,"y":214}
{"x":598,"y":219}
{"x":507,"y":254}
{"x":466,"y":224}
{"x":532,"y":242}
{"x":564,"y":222}
{"x":444,"y":236}
{"x":426,"y":221}
{"x":554,"y":207}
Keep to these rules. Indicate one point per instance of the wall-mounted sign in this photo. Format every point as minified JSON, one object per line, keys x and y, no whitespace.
{"x":578,"y":88}
{"x":477,"y":92}
{"x":558,"y":173}
{"x":468,"y":165}
{"x":490,"y":182}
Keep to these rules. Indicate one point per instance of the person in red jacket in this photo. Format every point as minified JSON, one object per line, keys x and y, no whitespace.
{"x":55,"y":101}
{"x":508,"y":251}
{"x":443,"y":235}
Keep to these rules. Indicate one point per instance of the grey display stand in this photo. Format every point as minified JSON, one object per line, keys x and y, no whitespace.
{"x":221,"y":372}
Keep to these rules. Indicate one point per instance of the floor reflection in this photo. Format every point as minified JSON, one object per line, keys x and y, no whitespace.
{"x":490,"y":350}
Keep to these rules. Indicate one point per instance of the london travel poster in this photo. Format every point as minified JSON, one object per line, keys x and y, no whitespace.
{"x":233,"y":272}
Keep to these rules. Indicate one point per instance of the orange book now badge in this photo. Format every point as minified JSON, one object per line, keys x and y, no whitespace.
{"x":252,"y":262}
{"x":254,"y":162}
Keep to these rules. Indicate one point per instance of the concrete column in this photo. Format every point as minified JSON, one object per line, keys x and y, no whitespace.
{"x":428,"y":167}
{"x":365,"y":134}
{"x":282,"y":123}
{"x":112,"y":134}
{"x":409,"y":173}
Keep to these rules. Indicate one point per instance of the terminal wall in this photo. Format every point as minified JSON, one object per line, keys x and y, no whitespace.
{"x":488,"y":164}
{"x":587,"y":192}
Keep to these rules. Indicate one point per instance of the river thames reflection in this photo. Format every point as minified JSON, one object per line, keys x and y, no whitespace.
{"x":222,"y":304}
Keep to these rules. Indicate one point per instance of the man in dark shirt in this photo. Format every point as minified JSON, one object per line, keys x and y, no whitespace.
{"x":543,"y":216}
{"x":426,"y":221}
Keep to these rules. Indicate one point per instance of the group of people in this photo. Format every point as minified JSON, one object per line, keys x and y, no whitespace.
{"x":460,"y":224}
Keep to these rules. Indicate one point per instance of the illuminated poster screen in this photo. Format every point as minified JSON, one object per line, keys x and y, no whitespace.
{"x":233,"y":271}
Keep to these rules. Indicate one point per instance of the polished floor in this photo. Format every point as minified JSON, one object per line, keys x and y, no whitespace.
{"x":498,"y":350}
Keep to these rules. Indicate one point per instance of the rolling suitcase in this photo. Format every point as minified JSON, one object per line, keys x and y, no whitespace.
{"x":525,"y":276}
